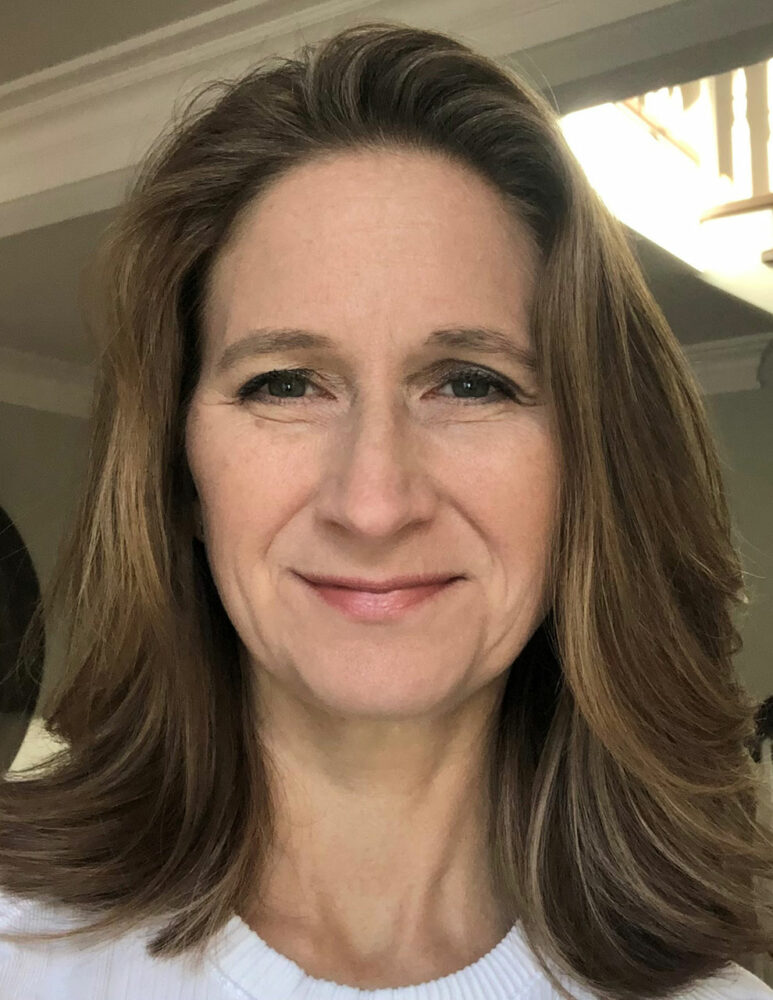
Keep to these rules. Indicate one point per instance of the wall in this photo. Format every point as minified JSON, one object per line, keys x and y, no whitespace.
{"x":743,"y":425}
{"x":42,"y":461}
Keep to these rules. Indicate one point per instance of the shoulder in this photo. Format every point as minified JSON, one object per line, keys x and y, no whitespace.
{"x":733,"y":983}
{"x":56,"y":969}
{"x":73,"y":968}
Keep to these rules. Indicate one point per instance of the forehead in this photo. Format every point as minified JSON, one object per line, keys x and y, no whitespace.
{"x":359,"y":234}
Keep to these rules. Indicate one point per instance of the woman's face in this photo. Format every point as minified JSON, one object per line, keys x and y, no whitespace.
{"x":380,"y":458}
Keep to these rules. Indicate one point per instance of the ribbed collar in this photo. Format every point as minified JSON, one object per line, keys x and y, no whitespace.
{"x":244,"y":959}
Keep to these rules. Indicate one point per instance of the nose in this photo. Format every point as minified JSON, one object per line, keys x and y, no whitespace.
{"x":376,"y":481}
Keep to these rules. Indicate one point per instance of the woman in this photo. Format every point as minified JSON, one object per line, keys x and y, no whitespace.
{"x":399,"y":594}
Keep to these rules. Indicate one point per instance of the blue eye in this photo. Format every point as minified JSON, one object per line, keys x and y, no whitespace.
{"x":281,"y":381}
{"x":278,"y":383}
{"x":289,"y":384}
{"x":477,"y":378}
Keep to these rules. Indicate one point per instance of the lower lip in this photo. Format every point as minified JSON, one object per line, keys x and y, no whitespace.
{"x":364,"y":605}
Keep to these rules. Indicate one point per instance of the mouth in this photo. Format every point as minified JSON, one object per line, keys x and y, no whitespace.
{"x":380,"y":586}
{"x":379,"y":601}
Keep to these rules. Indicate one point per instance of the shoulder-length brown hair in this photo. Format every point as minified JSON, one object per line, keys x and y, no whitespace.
{"x":624,"y":829}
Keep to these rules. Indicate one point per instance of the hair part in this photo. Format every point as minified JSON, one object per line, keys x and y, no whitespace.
{"x":623,"y":829}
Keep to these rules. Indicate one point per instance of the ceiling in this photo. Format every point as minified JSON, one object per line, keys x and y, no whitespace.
{"x":696,"y":311}
{"x":567,"y":51}
{"x":37,"y":34}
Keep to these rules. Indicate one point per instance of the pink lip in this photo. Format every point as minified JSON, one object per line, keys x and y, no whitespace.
{"x":370,"y":605}
{"x":378,"y":586}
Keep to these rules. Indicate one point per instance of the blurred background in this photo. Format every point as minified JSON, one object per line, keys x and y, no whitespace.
{"x":668,"y":106}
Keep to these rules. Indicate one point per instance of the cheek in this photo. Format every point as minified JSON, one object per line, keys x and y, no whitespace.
{"x":513,"y":493}
{"x":249,"y":482}
{"x":513,"y":472}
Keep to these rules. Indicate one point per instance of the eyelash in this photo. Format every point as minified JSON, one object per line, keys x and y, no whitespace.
{"x":248,"y":392}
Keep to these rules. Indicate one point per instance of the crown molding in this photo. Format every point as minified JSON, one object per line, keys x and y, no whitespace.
{"x":85,"y":124}
{"x":42,"y":383}
{"x":734,"y":364}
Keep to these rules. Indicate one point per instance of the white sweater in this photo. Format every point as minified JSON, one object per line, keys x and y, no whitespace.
{"x":241,"y":966}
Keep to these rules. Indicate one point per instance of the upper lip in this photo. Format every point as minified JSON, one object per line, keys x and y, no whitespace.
{"x":379,"y":586}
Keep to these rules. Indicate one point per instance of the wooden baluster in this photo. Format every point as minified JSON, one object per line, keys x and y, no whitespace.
{"x":759,"y":125}
{"x":722,"y":90}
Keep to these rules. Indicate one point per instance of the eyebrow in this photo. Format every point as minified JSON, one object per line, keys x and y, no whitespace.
{"x":270,"y":340}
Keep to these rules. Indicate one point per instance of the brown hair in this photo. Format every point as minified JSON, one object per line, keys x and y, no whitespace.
{"x":624,"y":828}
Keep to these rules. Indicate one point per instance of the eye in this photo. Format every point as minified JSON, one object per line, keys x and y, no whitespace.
{"x":284,"y":385}
{"x":288,"y":385}
{"x":477,"y":384}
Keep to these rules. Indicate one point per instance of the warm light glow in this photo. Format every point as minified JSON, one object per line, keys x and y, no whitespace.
{"x":661,"y":161}
{"x":647,"y":183}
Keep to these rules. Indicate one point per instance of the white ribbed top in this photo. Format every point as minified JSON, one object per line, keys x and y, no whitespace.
{"x":240,"y":965}
{"x":244,"y":958}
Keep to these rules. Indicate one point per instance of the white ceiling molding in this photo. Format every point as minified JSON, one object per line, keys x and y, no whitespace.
{"x":76,"y":124}
{"x":731,"y":365}
{"x":64,"y":201}
{"x":45,"y":383}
